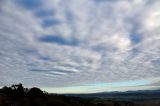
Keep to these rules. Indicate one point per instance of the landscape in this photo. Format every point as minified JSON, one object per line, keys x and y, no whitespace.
{"x":79,"y":52}
{"x":17,"y":95}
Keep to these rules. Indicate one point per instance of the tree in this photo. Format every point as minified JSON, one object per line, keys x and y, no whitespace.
{"x":35,"y":92}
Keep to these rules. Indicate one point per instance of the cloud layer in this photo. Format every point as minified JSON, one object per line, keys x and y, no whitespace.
{"x":57,"y":43}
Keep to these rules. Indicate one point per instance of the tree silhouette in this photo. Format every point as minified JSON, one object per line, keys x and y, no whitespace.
{"x":35,"y":92}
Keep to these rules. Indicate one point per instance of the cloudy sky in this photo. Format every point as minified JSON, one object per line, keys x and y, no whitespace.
{"x":80,"y":46}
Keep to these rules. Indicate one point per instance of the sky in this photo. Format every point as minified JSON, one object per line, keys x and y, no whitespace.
{"x":80,"y":46}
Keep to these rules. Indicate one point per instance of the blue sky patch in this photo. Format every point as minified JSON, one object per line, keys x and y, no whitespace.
{"x":49,"y":22}
{"x":45,"y":58}
{"x":44,"y":13}
{"x":135,"y":36}
{"x":30,"y":4}
{"x":58,"y":40}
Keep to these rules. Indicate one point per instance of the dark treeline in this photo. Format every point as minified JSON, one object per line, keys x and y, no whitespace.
{"x":17,"y":95}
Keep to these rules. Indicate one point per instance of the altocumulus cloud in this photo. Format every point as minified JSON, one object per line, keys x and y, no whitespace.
{"x":57,"y":43}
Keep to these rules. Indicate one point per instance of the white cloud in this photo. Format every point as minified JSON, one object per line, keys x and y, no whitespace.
{"x":105,"y":50}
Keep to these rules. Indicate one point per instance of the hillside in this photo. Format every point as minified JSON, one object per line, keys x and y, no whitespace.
{"x":17,"y":95}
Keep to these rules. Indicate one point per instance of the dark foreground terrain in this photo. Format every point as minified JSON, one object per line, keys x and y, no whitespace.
{"x":17,"y":95}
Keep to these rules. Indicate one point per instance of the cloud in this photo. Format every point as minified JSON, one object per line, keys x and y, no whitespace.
{"x":55,"y":43}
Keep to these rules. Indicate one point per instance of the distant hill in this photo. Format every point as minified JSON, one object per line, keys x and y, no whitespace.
{"x":127,"y":96}
{"x":106,"y":94}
